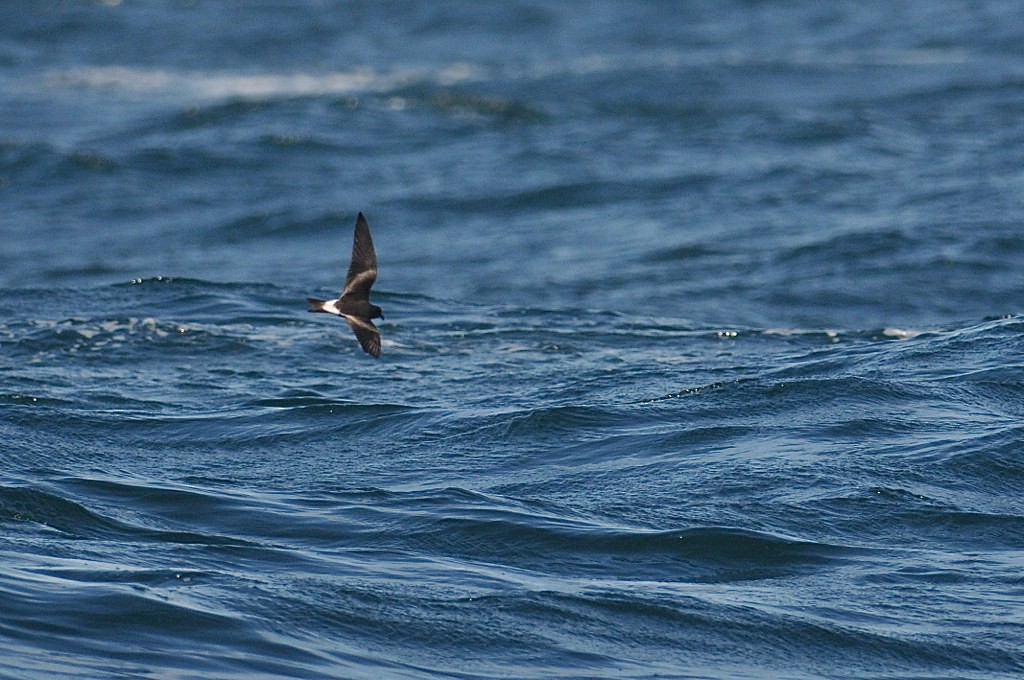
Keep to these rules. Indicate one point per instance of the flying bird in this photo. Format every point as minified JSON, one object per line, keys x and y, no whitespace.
{"x":354,"y":302}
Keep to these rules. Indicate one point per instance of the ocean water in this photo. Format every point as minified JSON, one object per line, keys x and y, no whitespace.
{"x":703,"y":351}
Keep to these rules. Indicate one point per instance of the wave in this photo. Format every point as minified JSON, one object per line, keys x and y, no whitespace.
{"x":225,"y":85}
{"x":71,"y":519}
{"x":370,"y":562}
{"x":264,"y":85}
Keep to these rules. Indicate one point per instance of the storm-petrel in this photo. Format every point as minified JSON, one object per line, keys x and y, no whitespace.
{"x":354,"y":302}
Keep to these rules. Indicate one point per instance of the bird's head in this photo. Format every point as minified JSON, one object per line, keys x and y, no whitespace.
{"x":376,"y":312}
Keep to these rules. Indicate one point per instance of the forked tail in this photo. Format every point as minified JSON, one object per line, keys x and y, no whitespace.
{"x":315,"y":305}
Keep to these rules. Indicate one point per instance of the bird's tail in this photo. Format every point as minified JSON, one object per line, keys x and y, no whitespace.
{"x":315,"y":305}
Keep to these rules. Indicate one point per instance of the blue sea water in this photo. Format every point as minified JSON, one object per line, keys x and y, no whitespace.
{"x":703,"y":352}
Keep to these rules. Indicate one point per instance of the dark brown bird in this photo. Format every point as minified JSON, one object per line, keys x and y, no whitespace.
{"x":354,"y":302}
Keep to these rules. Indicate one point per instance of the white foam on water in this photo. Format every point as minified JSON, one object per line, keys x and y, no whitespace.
{"x":231,"y":85}
{"x":900,"y":333}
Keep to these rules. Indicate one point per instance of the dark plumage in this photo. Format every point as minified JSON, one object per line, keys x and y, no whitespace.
{"x":354,"y":302}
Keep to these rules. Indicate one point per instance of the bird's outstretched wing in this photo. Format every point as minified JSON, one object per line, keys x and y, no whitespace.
{"x":366,"y":333}
{"x":362,"y":272}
